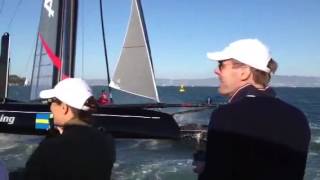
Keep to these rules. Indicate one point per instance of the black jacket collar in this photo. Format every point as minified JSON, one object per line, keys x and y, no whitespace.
{"x":250,"y":91}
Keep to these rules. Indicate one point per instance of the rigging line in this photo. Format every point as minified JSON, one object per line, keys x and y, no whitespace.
{"x":105,"y":49}
{"x":145,"y":32}
{"x":30,"y":59}
{"x":192,"y":110}
{"x":14,"y":14}
{"x":82,"y":38}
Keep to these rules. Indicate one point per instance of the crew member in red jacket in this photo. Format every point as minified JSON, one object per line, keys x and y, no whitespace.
{"x":104,"y":98}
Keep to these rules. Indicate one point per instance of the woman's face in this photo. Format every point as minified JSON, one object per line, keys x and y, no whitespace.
{"x":58,"y":110}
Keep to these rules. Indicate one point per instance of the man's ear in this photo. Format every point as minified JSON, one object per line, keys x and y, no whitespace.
{"x":65,"y":108}
{"x":245,"y":73}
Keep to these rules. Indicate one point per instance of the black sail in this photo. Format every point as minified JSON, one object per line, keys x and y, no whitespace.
{"x":55,"y":48}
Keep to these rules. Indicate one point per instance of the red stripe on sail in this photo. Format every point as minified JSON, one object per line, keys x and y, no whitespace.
{"x":56,"y":61}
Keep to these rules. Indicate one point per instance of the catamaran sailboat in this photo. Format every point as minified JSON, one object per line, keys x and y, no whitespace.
{"x":54,"y":61}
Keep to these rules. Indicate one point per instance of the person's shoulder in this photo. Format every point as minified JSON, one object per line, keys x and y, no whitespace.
{"x":51,"y":141}
{"x":275,"y":106}
{"x":98,"y":132}
{"x":221,"y":117}
{"x":48,"y":145}
{"x":72,"y":132}
{"x":101,"y":139}
{"x":225,"y":109}
{"x":288,"y":107}
{"x":105,"y":135}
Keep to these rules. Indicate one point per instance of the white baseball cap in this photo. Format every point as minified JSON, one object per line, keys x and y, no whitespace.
{"x":251,"y":52}
{"x":72,"y":91}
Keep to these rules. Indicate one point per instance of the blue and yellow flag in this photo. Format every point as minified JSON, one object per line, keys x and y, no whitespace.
{"x":42,"y":121}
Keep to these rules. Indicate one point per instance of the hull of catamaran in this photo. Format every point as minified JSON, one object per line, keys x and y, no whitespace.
{"x":120,"y":120}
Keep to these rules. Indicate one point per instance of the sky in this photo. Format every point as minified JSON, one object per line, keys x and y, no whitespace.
{"x":181,"y":32}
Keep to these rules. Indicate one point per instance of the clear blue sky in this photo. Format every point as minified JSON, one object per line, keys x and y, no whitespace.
{"x":181,"y":32}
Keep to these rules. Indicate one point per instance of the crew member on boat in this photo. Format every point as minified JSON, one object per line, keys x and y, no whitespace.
{"x":104,"y":98}
{"x":81,"y":151}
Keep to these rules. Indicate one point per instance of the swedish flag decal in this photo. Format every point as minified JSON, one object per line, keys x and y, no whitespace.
{"x":42,"y":121}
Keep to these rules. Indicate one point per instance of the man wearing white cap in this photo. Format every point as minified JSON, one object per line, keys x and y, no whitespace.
{"x":255,"y":135}
{"x":80,"y":152}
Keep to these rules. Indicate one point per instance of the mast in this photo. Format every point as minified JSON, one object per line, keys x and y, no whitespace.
{"x":105,"y":51}
{"x":146,"y":38}
{"x":69,"y":36}
{"x":144,"y":29}
{"x":4,"y":65}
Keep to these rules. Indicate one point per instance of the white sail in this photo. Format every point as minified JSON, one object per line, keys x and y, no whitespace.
{"x":26,"y":82}
{"x":134,"y":72}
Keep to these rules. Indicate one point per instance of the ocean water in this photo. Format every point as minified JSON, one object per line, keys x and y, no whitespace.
{"x":144,"y":159}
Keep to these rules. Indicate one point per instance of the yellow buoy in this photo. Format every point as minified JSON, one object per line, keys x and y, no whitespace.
{"x":182,"y":89}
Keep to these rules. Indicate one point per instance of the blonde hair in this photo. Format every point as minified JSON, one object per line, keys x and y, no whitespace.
{"x":263,"y":78}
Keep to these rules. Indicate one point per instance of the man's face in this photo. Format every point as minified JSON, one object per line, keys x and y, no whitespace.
{"x":229,"y":76}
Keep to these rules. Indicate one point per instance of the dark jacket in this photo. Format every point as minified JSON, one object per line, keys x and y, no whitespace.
{"x":80,"y":153}
{"x":256,"y":137}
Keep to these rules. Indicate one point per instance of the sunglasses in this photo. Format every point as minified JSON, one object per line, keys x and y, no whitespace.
{"x":51,"y":100}
{"x":220,"y":65}
{"x":235,"y":64}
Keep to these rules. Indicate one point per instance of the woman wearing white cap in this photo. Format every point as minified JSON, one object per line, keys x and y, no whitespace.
{"x":255,"y":135}
{"x":80,"y":152}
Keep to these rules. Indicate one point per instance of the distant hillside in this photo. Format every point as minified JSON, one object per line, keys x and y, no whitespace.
{"x":188,"y":82}
{"x":15,"y":80}
{"x":295,"y":81}
{"x":277,"y":81}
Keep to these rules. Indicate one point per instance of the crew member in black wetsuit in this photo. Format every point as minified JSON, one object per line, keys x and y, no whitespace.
{"x":256,"y":136}
{"x":80,"y":152}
